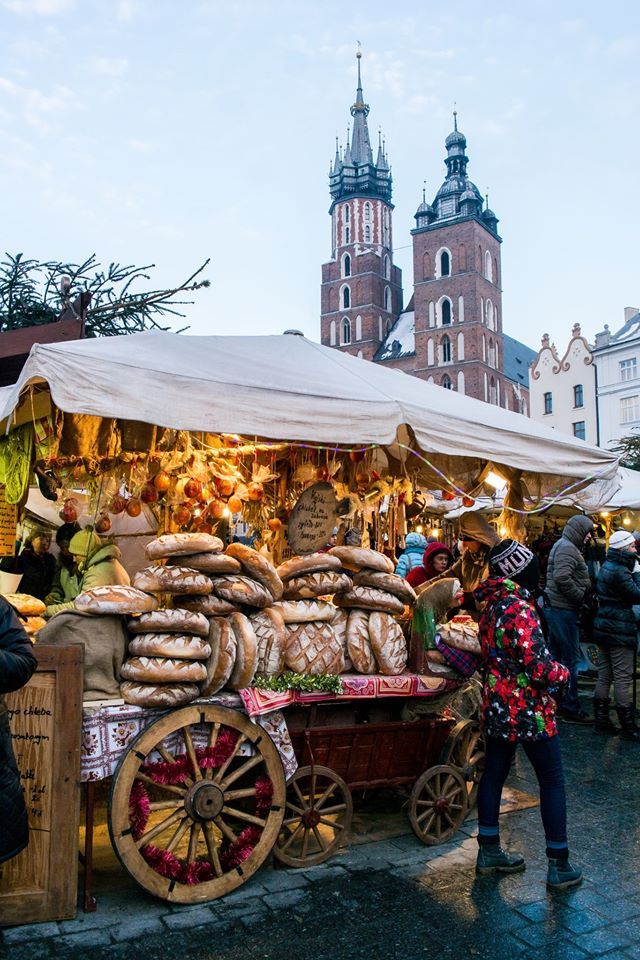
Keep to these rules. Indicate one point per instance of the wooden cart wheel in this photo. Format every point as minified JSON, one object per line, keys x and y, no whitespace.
{"x":317,"y":819}
{"x":464,"y":749}
{"x":196,"y":803}
{"x":438,"y":804}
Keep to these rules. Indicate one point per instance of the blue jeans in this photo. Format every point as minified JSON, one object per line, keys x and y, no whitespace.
{"x":546,"y":760}
{"x":564,"y":643}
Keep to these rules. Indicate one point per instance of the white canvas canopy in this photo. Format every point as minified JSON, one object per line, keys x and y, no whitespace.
{"x":290,"y":388}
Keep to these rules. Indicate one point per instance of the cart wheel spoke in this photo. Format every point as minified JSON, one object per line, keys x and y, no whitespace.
{"x":303,"y":841}
{"x":296,"y":809}
{"x":240,"y":794}
{"x":325,"y":796}
{"x":160,"y":827}
{"x":225,"y":829}
{"x":178,"y":835}
{"x":438,"y":804}
{"x":165,"y":805}
{"x":234,"y":753}
{"x":241,"y":815}
{"x":211,"y":742}
{"x":167,"y":787}
{"x":212,"y":849}
{"x":193,"y":842}
{"x":240,"y":772}
{"x":191,"y":753}
{"x":318,"y":836}
{"x":290,"y":839}
{"x":331,"y":823}
{"x":302,"y":800}
{"x":338,"y":808}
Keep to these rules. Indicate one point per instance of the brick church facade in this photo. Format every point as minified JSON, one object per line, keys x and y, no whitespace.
{"x":451,"y":331}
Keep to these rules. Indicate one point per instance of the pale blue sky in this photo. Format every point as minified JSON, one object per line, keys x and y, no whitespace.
{"x":166,"y":132}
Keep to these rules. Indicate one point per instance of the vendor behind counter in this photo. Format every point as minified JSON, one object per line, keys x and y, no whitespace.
{"x":97,"y":564}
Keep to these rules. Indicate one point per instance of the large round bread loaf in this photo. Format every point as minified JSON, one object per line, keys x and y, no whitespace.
{"x":272,"y":641}
{"x":461,"y":633}
{"x":242,"y":591}
{"x":368,"y":598}
{"x":305,"y":611}
{"x":360,"y":558}
{"x":113,"y":600}
{"x":339,"y":625}
{"x":209,"y":563}
{"x":170,"y":621}
{"x":222,"y":640}
{"x":244,"y":669}
{"x":315,"y":562}
{"x":33,"y":624}
{"x":163,"y":670}
{"x":324,"y":583}
{"x":257,"y":567}
{"x":181,"y":645}
{"x":210,"y":606}
{"x":158,"y":695}
{"x":25,"y":604}
{"x":358,"y":643}
{"x":388,"y":643}
{"x":180,"y":580}
{"x":312,"y":648}
{"x":176,"y":544}
{"x":398,"y":586}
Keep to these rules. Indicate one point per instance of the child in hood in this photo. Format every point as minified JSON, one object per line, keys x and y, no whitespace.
{"x":436,"y":559}
{"x":414,"y":546}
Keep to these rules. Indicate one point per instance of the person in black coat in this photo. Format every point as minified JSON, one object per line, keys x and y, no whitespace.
{"x":615,"y":632}
{"x":17,"y":663}
{"x":35,"y":563}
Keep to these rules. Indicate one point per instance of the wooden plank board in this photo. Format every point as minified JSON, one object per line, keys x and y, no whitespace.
{"x":46,"y":727}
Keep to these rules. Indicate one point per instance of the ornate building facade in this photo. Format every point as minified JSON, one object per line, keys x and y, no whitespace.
{"x":451,"y":331}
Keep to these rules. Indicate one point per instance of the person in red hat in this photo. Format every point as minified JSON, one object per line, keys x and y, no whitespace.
{"x":436,"y":559}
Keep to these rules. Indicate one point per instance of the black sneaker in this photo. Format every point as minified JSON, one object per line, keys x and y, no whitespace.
{"x":579,"y":717}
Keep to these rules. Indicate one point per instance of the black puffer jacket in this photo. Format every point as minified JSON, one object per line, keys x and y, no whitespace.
{"x":615,"y":624}
{"x":567,"y":573}
{"x":17,"y":663}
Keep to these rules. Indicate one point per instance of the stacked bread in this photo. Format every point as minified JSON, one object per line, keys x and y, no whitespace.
{"x":375,"y":641}
{"x":30,"y":611}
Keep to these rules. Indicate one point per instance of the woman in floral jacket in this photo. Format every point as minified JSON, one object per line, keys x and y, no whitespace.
{"x":517,"y":707}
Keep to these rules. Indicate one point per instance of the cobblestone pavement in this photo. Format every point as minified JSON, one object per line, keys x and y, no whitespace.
{"x":397,"y":898}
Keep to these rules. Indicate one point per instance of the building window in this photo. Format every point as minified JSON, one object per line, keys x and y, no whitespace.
{"x":628,"y":369}
{"x":548,"y":403}
{"x":578,"y":396}
{"x":445,"y":264}
{"x":579,"y":430}
{"x":489,"y":309}
{"x":488,"y":267}
{"x":446,"y":382}
{"x":445,"y":309}
{"x":367,"y":212}
{"x":387,"y":299}
{"x":346,"y":298}
{"x":445,"y":345}
{"x":387,"y":268}
{"x":346,"y":330}
{"x":346,"y":265}
{"x":346,"y":213}
{"x":367,"y":233}
{"x":347,"y":235}
{"x":332,"y":334}
{"x":629,"y":409}
{"x":358,"y":327}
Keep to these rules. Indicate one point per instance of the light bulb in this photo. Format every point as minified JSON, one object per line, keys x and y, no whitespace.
{"x":419,"y":528}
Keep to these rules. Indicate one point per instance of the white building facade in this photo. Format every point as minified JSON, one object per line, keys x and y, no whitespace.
{"x":617,"y":358}
{"x":562,"y":390}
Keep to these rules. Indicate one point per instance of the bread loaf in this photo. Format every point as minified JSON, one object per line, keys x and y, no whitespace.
{"x":244,"y":669}
{"x":300,"y":566}
{"x":320,"y":584}
{"x":176,"y":544}
{"x":222,"y":641}
{"x":339,"y":625}
{"x":170,"y":621}
{"x":162,"y":670}
{"x":305,"y":611}
{"x":461,"y":633}
{"x":210,"y":606}
{"x":312,"y":648}
{"x":271,"y":635}
{"x":257,"y":567}
{"x":209,"y":563}
{"x":158,"y":695}
{"x":388,"y":643}
{"x":183,"y":646}
{"x":114,"y":599}
{"x":360,"y":558}
{"x":398,"y":586}
{"x":33,"y":624}
{"x":368,"y":598}
{"x":172,"y":580}
{"x":242,"y":591}
{"x":26,"y":605}
{"x":358,"y":643}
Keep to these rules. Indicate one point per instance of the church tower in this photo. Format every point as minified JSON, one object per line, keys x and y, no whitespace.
{"x":361,"y":288}
{"x":459,"y":342}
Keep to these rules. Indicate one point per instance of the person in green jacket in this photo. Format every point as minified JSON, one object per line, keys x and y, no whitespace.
{"x":66,"y":580}
{"x":97,"y":564}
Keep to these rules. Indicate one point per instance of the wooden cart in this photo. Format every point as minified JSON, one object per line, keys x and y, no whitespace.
{"x":199,"y":799}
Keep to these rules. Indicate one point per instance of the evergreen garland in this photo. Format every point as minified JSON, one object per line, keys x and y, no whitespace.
{"x":322,"y":683}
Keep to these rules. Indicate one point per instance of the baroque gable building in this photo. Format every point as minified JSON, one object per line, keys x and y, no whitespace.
{"x":451,"y":332}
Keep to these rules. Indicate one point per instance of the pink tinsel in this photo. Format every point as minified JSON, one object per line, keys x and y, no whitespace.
{"x":264,"y":796}
{"x":173,"y":773}
{"x":139,"y":809}
{"x":163,"y":862}
{"x":220,"y":753}
{"x":241,"y":848}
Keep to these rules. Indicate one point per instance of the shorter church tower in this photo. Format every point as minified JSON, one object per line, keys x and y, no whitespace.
{"x":361,"y":288}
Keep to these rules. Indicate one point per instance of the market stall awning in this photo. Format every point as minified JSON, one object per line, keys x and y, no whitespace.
{"x":290,"y":388}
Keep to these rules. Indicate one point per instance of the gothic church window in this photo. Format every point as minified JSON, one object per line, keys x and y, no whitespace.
{"x":358,"y":327}
{"x":445,"y":312}
{"x":346,"y":213}
{"x":346,"y":330}
{"x":387,"y":299}
{"x":489,"y":312}
{"x":332,"y":334}
{"x":347,"y":235}
{"x":346,"y":265}
{"x":445,"y":347}
{"x":367,"y":212}
{"x":446,"y":382}
{"x":346,"y":298}
{"x":493,"y":392}
{"x":367,"y":233}
{"x":445,"y":264}
{"x":488,"y":266}
{"x":387,"y":268}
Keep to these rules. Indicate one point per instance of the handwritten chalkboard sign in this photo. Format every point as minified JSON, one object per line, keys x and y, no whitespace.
{"x":313,"y":519}
{"x":46,"y":727}
{"x":8,"y":522}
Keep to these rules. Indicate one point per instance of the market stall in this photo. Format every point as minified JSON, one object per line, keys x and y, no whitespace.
{"x":278,"y":473}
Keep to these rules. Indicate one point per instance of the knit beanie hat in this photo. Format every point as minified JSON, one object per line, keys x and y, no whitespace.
{"x":621,"y":539}
{"x":83,"y":544}
{"x":508,"y":558}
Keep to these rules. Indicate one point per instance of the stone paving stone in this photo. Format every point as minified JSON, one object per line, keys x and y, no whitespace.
{"x":285,"y":899}
{"x":31,"y":931}
{"x":85,"y":938}
{"x":622,"y":909}
{"x":282,"y":880}
{"x":601,"y":941}
{"x":129,"y":929}
{"x":330,"y":871}
{"x":190,"y":918}
{"x":584,"y":921}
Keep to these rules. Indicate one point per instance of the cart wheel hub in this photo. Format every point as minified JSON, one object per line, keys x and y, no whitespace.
{"x":441,"y":804}
{"x":311,"y":818}
{"x":204,"y":801}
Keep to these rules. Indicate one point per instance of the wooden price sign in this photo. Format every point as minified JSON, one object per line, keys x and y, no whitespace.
{"x":313,"y":519}
{"x":46,"y":729}
{"x":8,"y":523}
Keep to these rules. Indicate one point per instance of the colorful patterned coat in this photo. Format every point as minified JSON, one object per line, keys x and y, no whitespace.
{"x":518,"y":668}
